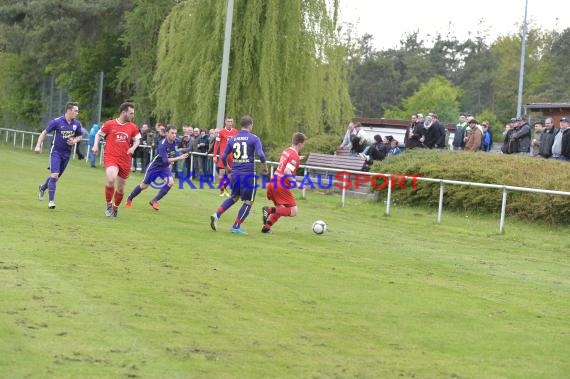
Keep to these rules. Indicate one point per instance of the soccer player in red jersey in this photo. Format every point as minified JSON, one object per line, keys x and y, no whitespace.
{"x":279,"y":190}
{"x":222,"y":139}
{"x":122,"y":137}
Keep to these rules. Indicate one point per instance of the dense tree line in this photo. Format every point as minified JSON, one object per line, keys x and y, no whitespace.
{"x":453,"y":76}
{"x":289,"y":68}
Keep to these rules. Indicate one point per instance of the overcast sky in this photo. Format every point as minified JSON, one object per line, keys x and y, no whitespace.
{"x":388,"y":21}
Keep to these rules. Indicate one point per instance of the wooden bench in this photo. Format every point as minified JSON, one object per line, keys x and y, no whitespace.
{"x":346,"y":162}
{"x":326,"y":162}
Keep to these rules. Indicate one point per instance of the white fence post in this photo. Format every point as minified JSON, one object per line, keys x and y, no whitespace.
{"x":441,"y":187}
{"x":389,"y":195}
{"x":503,"y":210}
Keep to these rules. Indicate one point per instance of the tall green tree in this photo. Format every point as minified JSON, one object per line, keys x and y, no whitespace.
{"x":373,"y":79}
{"x":554,"y":83}
{"x":477,"y":77}
{"x":437,"y":95}
{"x":49,"y":35}
{"x":82,"y":79}
{"x":141,"y":38}
{"x":287,"y":66}
{"x":15,"y":99}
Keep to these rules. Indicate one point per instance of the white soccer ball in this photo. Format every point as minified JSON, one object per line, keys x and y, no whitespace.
{"x":319,"y":227}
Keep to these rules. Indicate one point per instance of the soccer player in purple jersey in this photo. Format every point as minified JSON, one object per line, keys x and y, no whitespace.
{"x":244,"y":146}
{"x":67,"y":132}
{"x":160,"y":168}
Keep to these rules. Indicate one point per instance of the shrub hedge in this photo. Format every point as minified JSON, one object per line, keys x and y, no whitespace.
{"x":491,"y":168}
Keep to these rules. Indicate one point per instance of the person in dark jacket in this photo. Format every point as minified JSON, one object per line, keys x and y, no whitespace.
{"x":459,"y":134}
{"x":433,"y":132}
{"x":415,"y":132}
{"x":546,"y":139}
{"x":521,"y":135}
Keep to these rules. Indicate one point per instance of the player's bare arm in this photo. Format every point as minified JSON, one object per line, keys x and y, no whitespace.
{"x":136,"y":143}
{"x":98,"y":137}
{"x":41,"y":138}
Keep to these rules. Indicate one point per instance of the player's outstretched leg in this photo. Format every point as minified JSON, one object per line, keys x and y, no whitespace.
{"x":42,"y":189}
{"x":51,"y":192}
{"x":241,"y":216}
{"x":134,"y":193}
{"x":154,"y":202}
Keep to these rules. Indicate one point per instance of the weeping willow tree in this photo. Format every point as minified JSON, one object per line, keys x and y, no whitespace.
{"x":287,"y":66}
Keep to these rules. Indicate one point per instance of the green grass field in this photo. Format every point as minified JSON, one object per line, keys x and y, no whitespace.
{"x":160,"y":295}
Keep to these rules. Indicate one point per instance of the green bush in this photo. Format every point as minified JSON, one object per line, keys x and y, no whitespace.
{"x":490,"y":168}
{"x":322,"y":143}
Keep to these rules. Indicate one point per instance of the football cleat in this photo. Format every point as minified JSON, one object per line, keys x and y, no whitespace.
{"x":214,"y":222}
{"x":265,"y":214}
{"x":265,"y":230}
{"x":109,"y":210}
{"x":129,"y":204}
{"x":41,"y":193}
{"x":51,"y":205}
{"x":154,"y":205}
{"x":238,"y":231}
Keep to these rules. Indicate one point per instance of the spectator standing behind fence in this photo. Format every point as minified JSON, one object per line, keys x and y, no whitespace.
{"x":211,"y":142}
{"x":428,"y":139}
{"x":137,"y":156}
{"x":159,"y":134}
{"x":436,"y":135}
{"x":415,"y":132}
{"x":92,"y":156}
{"x":196,"y":158}
{"x":546,"y":139}
{"x":509,"y":145}
{"x":535,"y":142}
{"x":459,"y":135}
{"x":561,"y":145}
{"x":67,"y":132}
{"x":78,"y":151}
{"x":203,"y":145}
{"x":521,"y":135}
{"x":185,"y":146}
{"x":487,"y":138}
{"x":473,"y":141}
{"x":145,"y":147}
{"x":441,"y":143}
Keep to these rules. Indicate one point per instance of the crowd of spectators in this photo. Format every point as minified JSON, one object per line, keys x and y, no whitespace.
{"x":192,"y":140}
{"x":470,"y":135}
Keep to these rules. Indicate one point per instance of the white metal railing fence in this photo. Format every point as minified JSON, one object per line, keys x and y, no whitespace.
{"x":20,"y":140}
{"x":19,"y":137}
{"x":442,"y":182}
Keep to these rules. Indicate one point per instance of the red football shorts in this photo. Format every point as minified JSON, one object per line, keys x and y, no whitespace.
{"x":124,"y":167}
{"x":229,"y":158}
{"x":280,"y":195}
